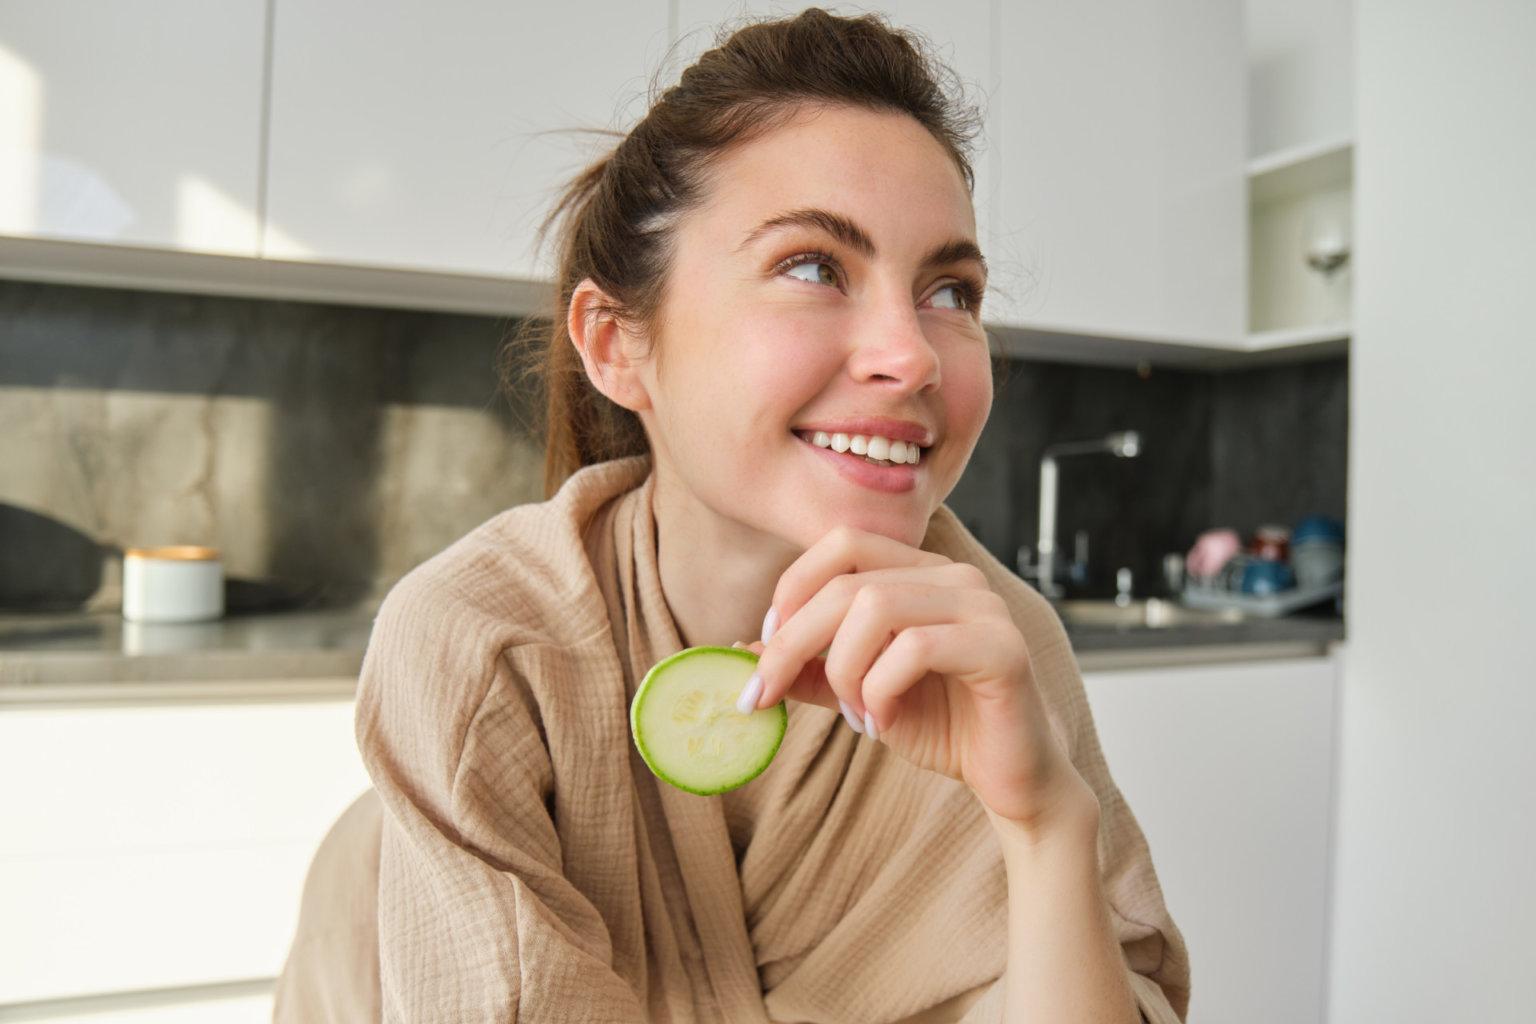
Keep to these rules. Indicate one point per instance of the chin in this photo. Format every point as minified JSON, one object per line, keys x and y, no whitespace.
{"x":905,"y":528}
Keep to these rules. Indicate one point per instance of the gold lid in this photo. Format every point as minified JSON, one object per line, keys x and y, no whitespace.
{"x":175,"y":553}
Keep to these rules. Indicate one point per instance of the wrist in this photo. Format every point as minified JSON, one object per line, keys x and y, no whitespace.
{"x":1069,"y":827}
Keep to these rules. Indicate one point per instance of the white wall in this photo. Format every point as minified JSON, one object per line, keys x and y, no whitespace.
{"x":1300,"y":72}
{"x":1436,"y":874}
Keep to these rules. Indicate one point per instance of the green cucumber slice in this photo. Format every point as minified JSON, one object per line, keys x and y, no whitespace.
{"x":686,"y":725}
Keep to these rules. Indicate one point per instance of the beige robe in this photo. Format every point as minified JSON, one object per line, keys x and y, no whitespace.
{"x":520,"y":862}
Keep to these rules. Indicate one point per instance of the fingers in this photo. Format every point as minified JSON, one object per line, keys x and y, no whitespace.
{"x":852,"y":619}
{"x":809,"y":687}
{"x":876,"y":618}
{"x":842,"y":552}
{"x":977,"y":653}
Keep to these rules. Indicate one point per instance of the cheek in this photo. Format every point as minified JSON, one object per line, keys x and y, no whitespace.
{"x":969,"y":378}
{"x":781,"y":361}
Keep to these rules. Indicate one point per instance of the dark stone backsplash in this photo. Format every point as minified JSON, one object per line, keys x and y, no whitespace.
{"x":1238,"y":448}
{"x":334,"y":447}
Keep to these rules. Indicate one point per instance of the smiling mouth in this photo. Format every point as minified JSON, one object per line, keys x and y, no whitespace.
{"x":874,"y":449}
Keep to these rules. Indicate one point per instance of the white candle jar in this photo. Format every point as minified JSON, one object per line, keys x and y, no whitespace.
{"x":172,"y":584}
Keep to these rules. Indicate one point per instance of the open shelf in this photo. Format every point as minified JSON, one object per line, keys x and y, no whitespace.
{"x":1294,"y":337}
{"x":1299,"y":170}
{"x":1300,"y":201}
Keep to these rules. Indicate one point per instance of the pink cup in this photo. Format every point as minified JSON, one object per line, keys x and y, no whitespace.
{"x":1212,"y":550}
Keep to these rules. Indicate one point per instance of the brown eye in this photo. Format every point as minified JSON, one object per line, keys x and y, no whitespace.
{"x":815,"y":273}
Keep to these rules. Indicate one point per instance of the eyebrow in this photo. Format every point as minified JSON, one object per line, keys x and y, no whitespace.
{"x":834,"y":224}
{"x":843,"y":229}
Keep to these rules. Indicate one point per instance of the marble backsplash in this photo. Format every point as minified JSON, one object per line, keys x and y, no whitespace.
{"x":328,"y":449}
{"x":321,"y":449}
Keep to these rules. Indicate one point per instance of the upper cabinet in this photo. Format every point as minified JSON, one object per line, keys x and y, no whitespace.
{"x":436,"y":136}
{"x":1301,"y":84}
{"x":1120,"y":134}
{"x":132,"y":123}
{"x":400,"y":152}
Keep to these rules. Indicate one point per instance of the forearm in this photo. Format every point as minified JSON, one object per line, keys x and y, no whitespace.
{"x":1064,"y":961}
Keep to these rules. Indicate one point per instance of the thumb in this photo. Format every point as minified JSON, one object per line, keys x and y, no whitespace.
{"x":810,"y":687}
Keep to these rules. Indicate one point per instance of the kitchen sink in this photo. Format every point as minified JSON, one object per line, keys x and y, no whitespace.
{"x":1148,"y":613}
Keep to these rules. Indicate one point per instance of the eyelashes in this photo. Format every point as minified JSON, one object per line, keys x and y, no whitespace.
{"x":824,"y":269}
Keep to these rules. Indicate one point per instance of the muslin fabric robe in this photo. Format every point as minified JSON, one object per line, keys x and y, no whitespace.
{"x":516,"y":860}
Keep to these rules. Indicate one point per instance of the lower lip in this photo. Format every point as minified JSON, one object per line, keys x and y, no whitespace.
{"x":892,"y":479}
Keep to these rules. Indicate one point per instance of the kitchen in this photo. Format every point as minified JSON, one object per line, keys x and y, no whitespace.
{"x":382,"y":440}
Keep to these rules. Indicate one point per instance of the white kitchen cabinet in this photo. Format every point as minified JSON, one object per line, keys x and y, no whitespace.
{"x":1122,"y":206}
{"x":132,"y":123}
{"x":1229,"y":769}
{"x":162,"y":847}
{"x":1301,"y":81}
{"x":435,"y":136}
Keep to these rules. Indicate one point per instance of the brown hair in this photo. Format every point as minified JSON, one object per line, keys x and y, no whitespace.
{"x":615,"y":221}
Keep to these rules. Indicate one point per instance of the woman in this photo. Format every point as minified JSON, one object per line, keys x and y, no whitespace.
{"x":776,"y":270}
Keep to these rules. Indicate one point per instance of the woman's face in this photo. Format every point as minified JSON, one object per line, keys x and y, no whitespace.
{"x":827,"y":287}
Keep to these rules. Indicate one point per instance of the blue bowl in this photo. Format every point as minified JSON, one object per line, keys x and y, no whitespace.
{"x":1266,"y":576}
{"x":1318,"y":528}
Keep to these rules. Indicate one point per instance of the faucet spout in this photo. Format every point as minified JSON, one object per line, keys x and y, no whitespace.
{"x":1125,"y":444}
{"x":1046,"y":543}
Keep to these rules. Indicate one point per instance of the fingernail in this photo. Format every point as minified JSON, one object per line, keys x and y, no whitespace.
{"x":740,"y":645}
{"x":851,"y":718}
{"x":869,"y":726}
{"x":750,"y":694}
{"x":770,"y":623}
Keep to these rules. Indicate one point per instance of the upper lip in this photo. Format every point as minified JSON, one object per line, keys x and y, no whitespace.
{"x":894,"y":430}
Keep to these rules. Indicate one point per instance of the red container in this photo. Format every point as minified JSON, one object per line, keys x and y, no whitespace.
{"x":1272,"y":542}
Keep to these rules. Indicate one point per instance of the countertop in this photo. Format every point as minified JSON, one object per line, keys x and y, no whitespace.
{"x":97,"y":656}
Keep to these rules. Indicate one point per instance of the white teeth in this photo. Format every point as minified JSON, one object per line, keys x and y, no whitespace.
{"x":872,"y":446}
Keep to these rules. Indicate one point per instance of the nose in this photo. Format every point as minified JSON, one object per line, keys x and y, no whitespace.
{"x":889,"y":347}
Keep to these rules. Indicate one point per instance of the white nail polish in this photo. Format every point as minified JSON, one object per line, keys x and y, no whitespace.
{"x":770,"y":623}
{"x":851,"y":718}
{"x":869,"y":726}
{"x":750,"y":694}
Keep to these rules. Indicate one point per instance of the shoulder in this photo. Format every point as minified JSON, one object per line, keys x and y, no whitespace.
{"x":520,"y":580}
{"x":521,"y":577}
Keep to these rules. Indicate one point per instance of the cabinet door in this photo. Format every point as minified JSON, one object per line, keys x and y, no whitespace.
{"x":161,"y":846}
{"x":1229,"y":771}
{"x":436,"y":136}
{"x":1120,"y":130}
{"x":136,"y":123}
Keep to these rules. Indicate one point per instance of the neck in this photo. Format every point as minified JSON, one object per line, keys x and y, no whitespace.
{"x":718,"y":576}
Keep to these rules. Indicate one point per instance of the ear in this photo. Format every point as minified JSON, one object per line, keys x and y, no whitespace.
{"x":611,"y":352}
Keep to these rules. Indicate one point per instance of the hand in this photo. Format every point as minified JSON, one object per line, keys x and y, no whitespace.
{"x":921,"y":652}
